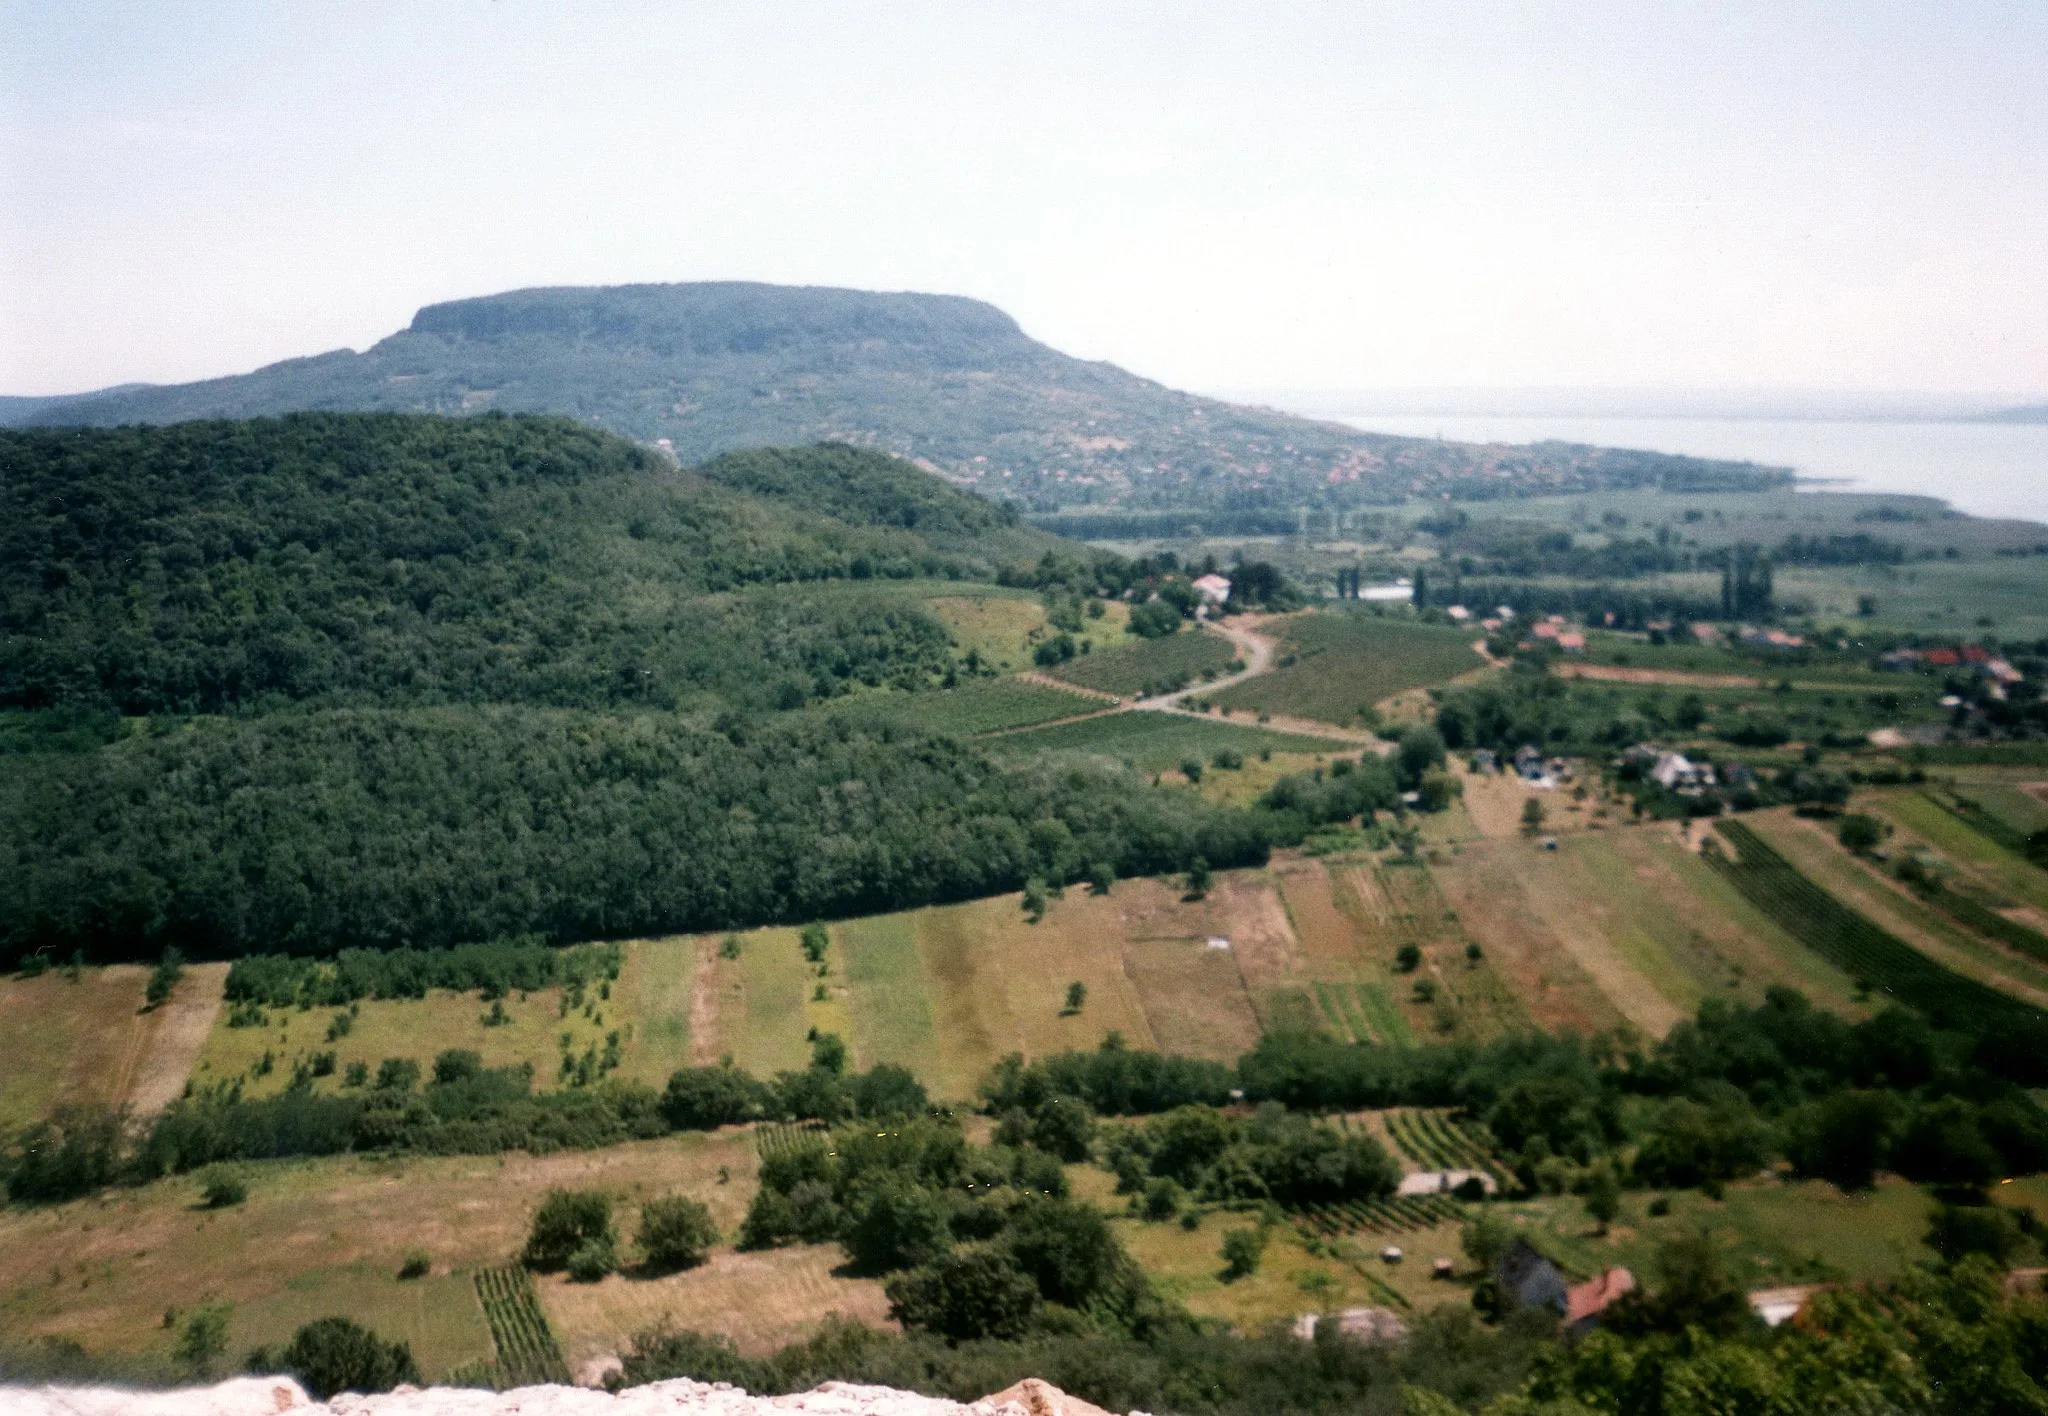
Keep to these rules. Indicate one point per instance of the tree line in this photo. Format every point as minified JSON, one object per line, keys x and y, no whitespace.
{"x":313,"y":833}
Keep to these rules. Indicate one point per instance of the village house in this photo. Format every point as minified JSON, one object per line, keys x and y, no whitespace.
{"x":1527,"y":1279}
{"x":1585,"y":1302}
{"x":1213,"y":588}
{"x":1675,"y":772}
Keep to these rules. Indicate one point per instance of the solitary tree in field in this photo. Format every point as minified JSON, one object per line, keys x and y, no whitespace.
{"x":1242,"y":1250}
{"x":1860,"y":832}
{"x":1077,"y":996}
{"x":1532,"y":815}
{"x":1198,"y":879}
{"x":675,"y":1233}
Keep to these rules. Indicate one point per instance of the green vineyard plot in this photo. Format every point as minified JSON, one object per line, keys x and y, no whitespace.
{"x":1852,"y":943}
{"x":1396,"y":1214}
{"x":527,"y":1352}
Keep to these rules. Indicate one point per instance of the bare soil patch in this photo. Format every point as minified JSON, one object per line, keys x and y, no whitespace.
{"x":172,"y":1046}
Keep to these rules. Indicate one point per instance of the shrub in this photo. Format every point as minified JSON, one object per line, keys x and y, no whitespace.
{"x":397,"y":1074}
{"x":705,"y":1098}
{"x":169,"y":969}
{"x":221,"y":1188}
{"x":889,"y":1093}
{"x":974,"y":1293}
{"x":416,"y":1264}
{"x":74,"y":1152}
{"x":456,"y":1065}
{"x":1961,"y":1230}
{"x":330,"y":1355}
{"x":205,"y":1337}
{"x":1064,"y":1125}
{"x":898,"y":1225}
{"x":1155,"y":620}
{"x":1408,"y":958}
{"x":675,"y":1233}
{"x":566,"y":1221}
{"x":1242,"y":1249}
{"x":593,"y":1259}
{"x":1162,"y":1199}
{"x":1859,"y":832}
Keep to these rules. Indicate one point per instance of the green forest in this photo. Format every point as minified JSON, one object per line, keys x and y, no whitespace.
{"x":349,"y":559}
{"x":354,"y":828}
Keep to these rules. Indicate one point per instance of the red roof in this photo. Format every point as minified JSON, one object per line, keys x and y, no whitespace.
{"x":1947,"y":657}
{"x":1973,"y":654}
{"x":1593,"y":1296}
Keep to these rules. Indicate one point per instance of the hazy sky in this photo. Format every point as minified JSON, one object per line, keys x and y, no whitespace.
{"x":1837,"y":196}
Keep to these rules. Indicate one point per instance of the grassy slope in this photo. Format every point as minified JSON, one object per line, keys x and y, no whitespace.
{"x":326,"y":1236}
{"x":1346,"y":661}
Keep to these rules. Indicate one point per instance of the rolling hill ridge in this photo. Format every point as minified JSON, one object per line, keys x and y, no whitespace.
{"x":951,"y":383}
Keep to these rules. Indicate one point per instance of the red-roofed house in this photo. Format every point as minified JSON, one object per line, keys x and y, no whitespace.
{"x":1585,"y":1302}
{"x":1941,"y":658}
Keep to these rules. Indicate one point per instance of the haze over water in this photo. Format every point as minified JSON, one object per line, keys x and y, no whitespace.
{"x":1986,"y":469}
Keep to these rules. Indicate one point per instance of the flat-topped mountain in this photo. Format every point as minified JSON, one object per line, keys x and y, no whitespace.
{"x":949,"y":382}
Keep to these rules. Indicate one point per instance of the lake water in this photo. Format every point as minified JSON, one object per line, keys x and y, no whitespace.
{"x":1986,"y":469}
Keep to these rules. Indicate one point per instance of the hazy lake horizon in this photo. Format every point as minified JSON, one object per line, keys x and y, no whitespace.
{"x":1985,"y":469}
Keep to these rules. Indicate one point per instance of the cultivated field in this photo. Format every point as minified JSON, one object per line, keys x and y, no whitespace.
{"x":1920,"y":820}
{"x":86,"y":1039}
{"x":989,"y":705}
{"x":1141,"y":666}
{"x":1346,"y":661}
{"x":1158,"y":741}
{"x":1890,"y":906}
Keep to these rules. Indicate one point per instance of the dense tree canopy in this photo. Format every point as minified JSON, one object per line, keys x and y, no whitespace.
{"x":310,"y":833}
{"x":338,"y":558}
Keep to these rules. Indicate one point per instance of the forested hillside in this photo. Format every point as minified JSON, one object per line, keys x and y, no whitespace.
{"x":312,"y":832}
{"x":346,"y":558}
{"x":371,"y":679}
{"x":951,"y":382}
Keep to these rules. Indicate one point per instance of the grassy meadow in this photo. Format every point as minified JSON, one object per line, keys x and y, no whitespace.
{"x":323,"y":1236}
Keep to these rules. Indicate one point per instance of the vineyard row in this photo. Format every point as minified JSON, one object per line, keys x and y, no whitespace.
{"x":527,"y":1352}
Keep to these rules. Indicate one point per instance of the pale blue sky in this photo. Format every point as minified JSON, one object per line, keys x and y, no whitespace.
{"x":1842,"y":196}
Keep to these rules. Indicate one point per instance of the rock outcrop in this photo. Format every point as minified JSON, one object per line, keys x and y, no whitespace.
{"x":270,"y":1396}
